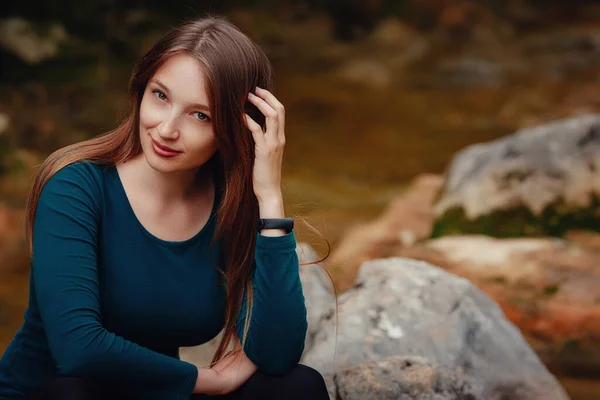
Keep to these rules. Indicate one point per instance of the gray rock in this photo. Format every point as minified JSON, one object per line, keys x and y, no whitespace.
{"x":318,"y":292}
{"x":408,"y":308}
{"x":404,"y":378}
{"x":555,"y":164}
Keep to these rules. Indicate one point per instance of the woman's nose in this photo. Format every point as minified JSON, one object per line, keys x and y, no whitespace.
{"x":169,"y":128}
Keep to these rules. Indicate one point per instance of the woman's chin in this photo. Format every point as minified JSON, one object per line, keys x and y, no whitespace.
{"x":161,"y":164}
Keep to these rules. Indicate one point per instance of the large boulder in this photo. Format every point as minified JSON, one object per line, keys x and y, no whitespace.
{"x":400,"y":309}
{"x":549,"y":288}
{"x":538,"y":181}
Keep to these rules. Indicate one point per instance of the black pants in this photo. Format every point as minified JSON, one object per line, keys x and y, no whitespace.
{"x":302,"y":383}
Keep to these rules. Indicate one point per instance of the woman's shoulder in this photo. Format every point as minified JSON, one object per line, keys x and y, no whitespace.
{"x":84,"y":176}
{"x":83,"y":170}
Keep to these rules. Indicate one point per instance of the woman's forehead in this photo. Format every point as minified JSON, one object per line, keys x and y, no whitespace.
{"x":184,"y":78}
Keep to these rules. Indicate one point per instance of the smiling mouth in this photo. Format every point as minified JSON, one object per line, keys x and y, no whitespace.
{"x":162,"y":151}
{"x":165,"y":148}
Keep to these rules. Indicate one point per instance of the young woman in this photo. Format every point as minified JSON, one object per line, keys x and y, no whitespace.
{"x":146,"y":239}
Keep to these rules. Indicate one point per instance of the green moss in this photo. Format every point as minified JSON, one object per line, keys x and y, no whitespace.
{"x":555,"y":220}
{"x":550,"y":290}
{"x":497,"y":279}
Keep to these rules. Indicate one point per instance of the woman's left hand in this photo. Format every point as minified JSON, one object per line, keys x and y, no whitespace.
{"x":268,"y":145}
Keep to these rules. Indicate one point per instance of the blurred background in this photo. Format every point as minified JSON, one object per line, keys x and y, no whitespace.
{"x":380,"y":95}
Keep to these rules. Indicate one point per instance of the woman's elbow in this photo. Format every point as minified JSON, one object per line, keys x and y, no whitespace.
{"x":279,"y":366}
{"x":283,"y":362}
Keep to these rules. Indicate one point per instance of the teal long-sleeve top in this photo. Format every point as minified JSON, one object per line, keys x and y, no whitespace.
{"x":112,"y":302}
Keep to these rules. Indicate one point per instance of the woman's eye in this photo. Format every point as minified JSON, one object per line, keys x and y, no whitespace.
{"x":201,"y":117}
{"x":160,"y":95}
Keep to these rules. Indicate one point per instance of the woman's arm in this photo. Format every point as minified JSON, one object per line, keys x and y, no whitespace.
{"x":226,"y":375}
{"x":278,"y":325}
{"x":66,"y":287}
{"x":278,"y":319}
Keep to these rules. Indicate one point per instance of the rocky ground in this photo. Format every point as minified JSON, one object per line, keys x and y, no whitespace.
{"x":409,"y":330}
{"x":548,"y":286}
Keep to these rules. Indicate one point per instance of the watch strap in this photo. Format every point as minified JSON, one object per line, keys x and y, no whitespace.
{"x":286,"y":224}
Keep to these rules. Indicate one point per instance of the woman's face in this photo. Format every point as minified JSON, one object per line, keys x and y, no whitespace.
{"x":176,"y":129}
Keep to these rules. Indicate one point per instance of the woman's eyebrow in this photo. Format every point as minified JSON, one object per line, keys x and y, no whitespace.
{"x":166,"y":89}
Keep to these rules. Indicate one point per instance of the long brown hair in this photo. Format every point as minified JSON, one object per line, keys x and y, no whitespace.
{"x":233,"y":66}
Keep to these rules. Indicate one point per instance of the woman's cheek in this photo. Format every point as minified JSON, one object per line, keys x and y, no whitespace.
{"x":150,"y":113}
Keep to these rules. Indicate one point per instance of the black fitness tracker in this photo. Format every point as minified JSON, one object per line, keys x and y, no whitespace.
{"x":275,"y":223}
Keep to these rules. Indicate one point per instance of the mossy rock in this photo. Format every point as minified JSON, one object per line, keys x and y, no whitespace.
{"x":555,"y":220}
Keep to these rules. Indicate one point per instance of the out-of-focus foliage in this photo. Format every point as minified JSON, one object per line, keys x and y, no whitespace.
{"x":104,"y":19}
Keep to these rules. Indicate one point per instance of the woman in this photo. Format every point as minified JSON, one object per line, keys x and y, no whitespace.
{"x":145,"y":239}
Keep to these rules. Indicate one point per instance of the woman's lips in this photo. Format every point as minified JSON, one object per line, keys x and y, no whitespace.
{"x":163,"y":151}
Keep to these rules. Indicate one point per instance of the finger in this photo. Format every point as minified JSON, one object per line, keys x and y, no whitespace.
{"x":276,"y":105}
{"x":272,"y":118}
{"x":270,"y":99}
{"x":256,"y":129}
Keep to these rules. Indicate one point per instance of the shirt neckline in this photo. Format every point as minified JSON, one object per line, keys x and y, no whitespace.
{"x":151,"y":236}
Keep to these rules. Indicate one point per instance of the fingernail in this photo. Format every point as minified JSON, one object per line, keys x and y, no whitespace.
{"x":250,"y":94}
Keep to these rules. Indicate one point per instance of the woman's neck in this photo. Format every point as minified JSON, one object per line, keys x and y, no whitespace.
{"x":167,"y":187}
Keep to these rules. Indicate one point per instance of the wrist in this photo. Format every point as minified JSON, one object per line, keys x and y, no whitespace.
{"x":270,"y":197}
{"x":208,"y":382}
{"x":271,"y":207}
{"x":221,"y":382}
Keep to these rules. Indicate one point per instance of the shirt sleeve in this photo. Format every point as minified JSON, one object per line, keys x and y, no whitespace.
{"x":65,"y":274}
{"x":278,"y":324}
